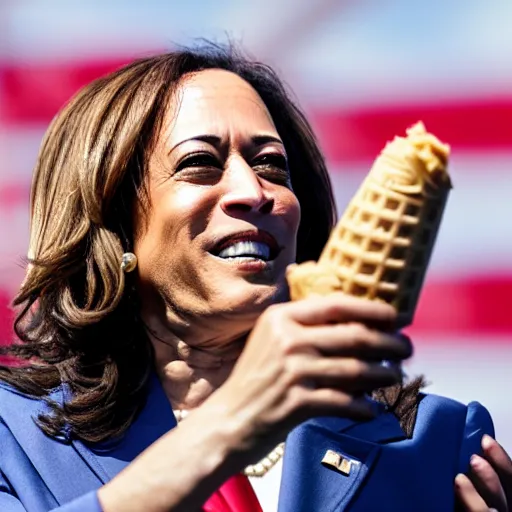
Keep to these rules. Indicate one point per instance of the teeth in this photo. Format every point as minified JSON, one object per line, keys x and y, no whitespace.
{"x":248,"y":249}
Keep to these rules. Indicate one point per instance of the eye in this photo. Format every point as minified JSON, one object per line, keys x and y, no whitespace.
{"x":199,"y":168}
{"x":198,"y":160}
{"x":274,"y":167}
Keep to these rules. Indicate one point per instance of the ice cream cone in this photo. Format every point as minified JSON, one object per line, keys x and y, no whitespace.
{"x":381,"y":247}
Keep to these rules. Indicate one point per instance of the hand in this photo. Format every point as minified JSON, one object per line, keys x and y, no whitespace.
{"x":313,"y":357}
{"x":306,"y":358}
{"x":489,"y":483}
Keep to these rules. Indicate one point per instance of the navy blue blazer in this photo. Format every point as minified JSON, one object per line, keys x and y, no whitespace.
{"x":388,"y":472}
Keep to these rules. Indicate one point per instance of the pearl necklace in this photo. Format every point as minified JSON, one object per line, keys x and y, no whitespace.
{"x":259,"y":469}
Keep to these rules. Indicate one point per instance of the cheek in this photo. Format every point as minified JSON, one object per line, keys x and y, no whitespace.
{"x":182,"y":214}
{"x":192,"y":208}
{"x":174,"y":219}
{"x":289,"y":208}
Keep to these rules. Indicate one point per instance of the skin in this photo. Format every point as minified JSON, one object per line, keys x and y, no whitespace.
{"x":220,"y":168}
{"x":488,"y":486}
{"x":221,"y":327}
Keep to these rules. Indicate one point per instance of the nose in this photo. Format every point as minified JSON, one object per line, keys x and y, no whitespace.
{"x":244,"y":191}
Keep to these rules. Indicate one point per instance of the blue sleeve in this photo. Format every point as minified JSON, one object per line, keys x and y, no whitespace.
{"x":478,"y":423}
{"x":10,"y":503}
{"x":87,"y":503}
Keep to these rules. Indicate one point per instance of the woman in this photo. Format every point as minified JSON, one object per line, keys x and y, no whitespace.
{"x":167,"y":201}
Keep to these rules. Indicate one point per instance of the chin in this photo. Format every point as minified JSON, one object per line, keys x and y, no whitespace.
{"x":251,"y":298}
{"x":247,"y":288}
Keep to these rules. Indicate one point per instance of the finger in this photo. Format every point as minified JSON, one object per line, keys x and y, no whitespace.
{"x":352,"y":375}
{"x":468,"y":495}
{"x":357,"y":340}
{"x":501,"y":462}
{"x":487,"y":483}
{"x":338,"y":307}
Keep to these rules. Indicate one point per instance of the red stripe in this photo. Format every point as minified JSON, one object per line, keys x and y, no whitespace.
{"x":6,"y":318}
{"x":34,"y":93}
{"x":479,"y":304}
{"x":467,"y":307}
{"x":14,"y":194}
{"x":481,"y":124}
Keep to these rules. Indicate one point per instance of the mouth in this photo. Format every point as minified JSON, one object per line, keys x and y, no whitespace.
{"x":247,"y":246}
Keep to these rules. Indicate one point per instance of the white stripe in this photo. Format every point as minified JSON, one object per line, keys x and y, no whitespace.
{"x":374,"y":54}
{"x":364,"y":54}
{"x":18,"y":151}
{"x":61,"y":29}
{"x":476,"y":232}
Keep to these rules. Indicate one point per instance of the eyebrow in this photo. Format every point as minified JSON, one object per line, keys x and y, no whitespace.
{"x":215,"y":140}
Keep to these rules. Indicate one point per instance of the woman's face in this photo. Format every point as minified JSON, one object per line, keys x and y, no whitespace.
{"x":223,"y":219}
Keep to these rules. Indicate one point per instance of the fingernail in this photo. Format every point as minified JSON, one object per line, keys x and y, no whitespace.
{"x":475,"y":461}
{"x":460,"y":479}
{"x":487,"y":441}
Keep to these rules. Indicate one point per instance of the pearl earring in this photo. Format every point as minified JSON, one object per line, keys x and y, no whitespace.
{"x":129,"y":262}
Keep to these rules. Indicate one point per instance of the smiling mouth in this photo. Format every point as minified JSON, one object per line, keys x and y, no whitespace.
{"x":258,"y":246}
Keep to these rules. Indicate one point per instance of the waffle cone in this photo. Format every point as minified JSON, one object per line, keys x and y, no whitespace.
{"x":381,"y":247}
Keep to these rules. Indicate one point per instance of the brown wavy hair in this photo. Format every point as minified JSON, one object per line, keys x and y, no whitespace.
{"x":78,"y":322}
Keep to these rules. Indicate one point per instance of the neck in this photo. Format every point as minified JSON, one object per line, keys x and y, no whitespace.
{"x":191,"y":367}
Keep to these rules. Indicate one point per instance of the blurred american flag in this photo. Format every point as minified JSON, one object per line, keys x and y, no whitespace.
{"x":363,"y":71}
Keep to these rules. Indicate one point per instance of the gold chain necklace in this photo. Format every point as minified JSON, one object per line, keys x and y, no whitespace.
{"x":260,"y":468}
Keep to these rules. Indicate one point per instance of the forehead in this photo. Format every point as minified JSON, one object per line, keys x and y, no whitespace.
{"x":217,"y":101}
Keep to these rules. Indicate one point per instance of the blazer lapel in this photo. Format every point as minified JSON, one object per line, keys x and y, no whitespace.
{"x":327,"y":460}
{"x":106,"y":460}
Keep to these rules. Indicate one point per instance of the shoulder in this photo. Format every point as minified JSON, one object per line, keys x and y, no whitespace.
{"x":17,"y":414}
{"x":15,"y":406}
{"x":450,"y":424}
{"x":436,"y":404}
{"x":18,"y":419}
{"x":10,"y":395}
{"x":412,"y":407}
{"x":444,"y":417}
{"x":440,"y":406}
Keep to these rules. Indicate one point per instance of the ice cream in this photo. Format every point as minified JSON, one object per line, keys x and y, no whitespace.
{"x":381,"y":247}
